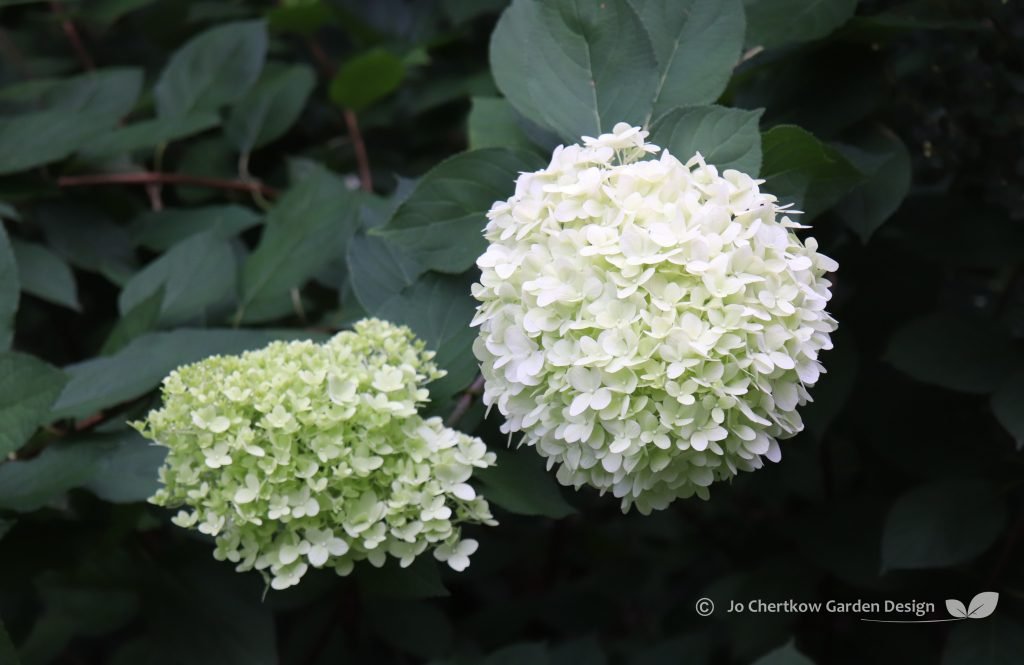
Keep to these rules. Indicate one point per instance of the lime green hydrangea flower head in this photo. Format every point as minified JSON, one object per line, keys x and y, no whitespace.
{"x":303,"y":454}
{"x":649,"y":325}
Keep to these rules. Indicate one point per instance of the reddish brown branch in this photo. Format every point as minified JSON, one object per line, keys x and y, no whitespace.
{"x":149,"y":178}
{"x":75,"y":39}
{"x":466,"y":400}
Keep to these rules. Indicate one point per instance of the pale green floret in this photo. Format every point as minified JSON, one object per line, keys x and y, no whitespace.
{"x":649,"y":325}
{"x":303,"y":454}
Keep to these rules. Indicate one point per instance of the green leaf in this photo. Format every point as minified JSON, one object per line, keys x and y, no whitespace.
{"x":7,"y":211}
{"x":697,"y":43}
{"x":527,"y":653}
{"x":958,"y":352}
{"x":772,"y":23}
{"x":942,"y":524}
{"x":196,"y":274}
{"x":9,"y":290}
{"x":141,"y":319}
{"x":784,"y":655}
{"x":801,"y":170}
{"x":126,"y":471}
{"x":727,"y":138}
{"x":212,"y":69}
{"x":997,"y":640}
{"x":162,"y":230}
{"x":35,"y":139}
{"x":575,"y":67}
{"x":28,"y":387}
{"x":150,"y":133}
{"x":493,"y":123}
{"x":303,"y":19}
{"x":308,"y":227}
{"x":366,"y":78}
{"x":519,"y":484}
{"x":887,"y":162}
{"x":139,"y":367}
{"x":111,"y":91}
{"x":270,"y":108}
{"x":87,"y":239}
{"x":1008,"y":406}
{"x":379,"y":271}
{"x":451,"y":202}
{"x":107,"y":12}
{"x":45,"y":275}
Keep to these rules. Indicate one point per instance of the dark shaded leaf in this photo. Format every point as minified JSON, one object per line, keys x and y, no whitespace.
{"x":45,"y":275}
{"x":519,"y":484}
{"x":28,"y":387}
{"x":727,"y":138}
{"x":270,"y":108}
{"x":366,"y":78}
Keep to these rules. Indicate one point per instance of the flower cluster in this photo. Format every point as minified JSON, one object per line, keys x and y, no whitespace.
{"x":303,"y":454}
{"x":650,"y":326}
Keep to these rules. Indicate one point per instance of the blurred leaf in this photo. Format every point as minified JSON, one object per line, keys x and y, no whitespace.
{"x":886,"y":161}
{"x":109,"y":11}
{"x":420,"y":579}
{"x":995,"y":641}
{"x":727,"y":138}
{"x":136,"y":369}
{"x":584,"y":650}
{"x":801,"y":170}
{"x":413,"y":627}
{"x":958,"y":352}
{"x":196,"y":274}
{"x":531,"y":653}
{"x":150,"y":133}
{"x":270,"y":108}
{"x":772,"y":23}
{"x":366,"y":78}
{"x":519,"y":484}
{"x":127,"y":471}
{"x":785,"y":655}
{"x":303,"y":19}
{"x":941,"y":524}
{"x":212,"y":69}
{"x":493,"y":123}
{"x":45,"y":275}
{"x":451,"y":201}
{"x":697,"y":43}
{"x":462,"y":11}
{"x":28,"y":387}
{"x":35,"y":139}
{"x":111,"y":92}
{"x":1008,"y":406}
{"x":577,"y":68}
{"x":141,"y":319}
{"x":8,"y":654}
{"x":87,"y":239}
{"x":162,"y":230}
{"x":208,"y":156}
{"x":689,"y":649}
{"x":10,"y":290}
{"x":307,"y":228}
{"x":7,"y":211}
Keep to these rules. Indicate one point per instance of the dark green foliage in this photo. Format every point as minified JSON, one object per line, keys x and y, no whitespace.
{"x":179,"y":179}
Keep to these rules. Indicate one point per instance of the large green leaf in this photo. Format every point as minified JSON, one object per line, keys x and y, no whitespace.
{"x":111,"y":91}
{"x":28,"y":387}
{"x":378,"y":270}
{"x":196,"y":274}
{"x":308,"y":227}
{"x":87,"y":239}
{"x":45,"y":275}
{"x":1008,"y":405}
{"x":941,"y":524}
{"x":162,"y":230}
{"x":801,"y":170}
{"x":886,"y":160}
{"x":270,"y":108}
{"x":493,"y":123}
{"x":773,"y":23}
{"x":140,"y":366}
{"x":997,"y":640}
{"x":519,"y":484}
{"x":442,"y":221}
{"x":150,"y":133}
{"x":10,"y":290}
{"x":954,"y":351}
{"x":366,"y":78}
{"x":575,"y":67}
{"x":784,"y":655}
{"x":697,"y":43}
{"x":727,"y":138}
{"x":212,"y":69}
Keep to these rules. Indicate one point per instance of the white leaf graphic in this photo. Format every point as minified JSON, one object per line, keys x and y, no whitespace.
{"x":983,"y":605}
{"x":956,"y":608}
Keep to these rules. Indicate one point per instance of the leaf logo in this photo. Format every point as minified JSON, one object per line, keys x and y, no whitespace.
{"x":981,"y":606}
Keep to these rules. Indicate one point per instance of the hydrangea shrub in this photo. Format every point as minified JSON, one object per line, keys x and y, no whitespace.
{"x":649,"y":325}
{"x":303,"y":454}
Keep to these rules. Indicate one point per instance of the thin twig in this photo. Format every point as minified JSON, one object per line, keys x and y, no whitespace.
{"x":150,"y":177}
{"x":466,"y":400}
{"x":68,"y":26}
{"x":351,"y":120}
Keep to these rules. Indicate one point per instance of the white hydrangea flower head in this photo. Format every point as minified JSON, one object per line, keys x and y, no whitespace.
{"x":649,"y":326}
{"x":303,"y":454}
